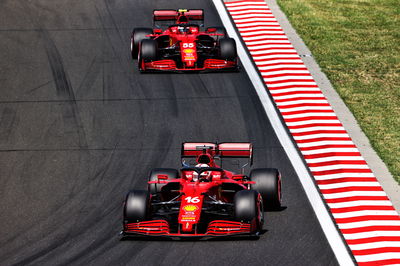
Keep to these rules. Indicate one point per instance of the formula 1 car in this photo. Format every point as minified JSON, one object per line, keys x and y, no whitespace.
{"x":203,"y":200}
{"x":182,"y":45}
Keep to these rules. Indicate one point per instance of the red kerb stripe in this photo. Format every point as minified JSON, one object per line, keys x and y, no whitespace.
{"x":299,"y":86}
{"x":330,"y":154}
{"x":311,"y":110}
{"x":279,"y":64}
{"x":319,"y":132}
{"x":370,"y":229}
{"x":372,"y":240}
{"x":376,"y":250}
{"x":327,"y":146}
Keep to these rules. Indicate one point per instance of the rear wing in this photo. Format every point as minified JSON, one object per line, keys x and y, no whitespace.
{"x":176,"y":15}
{"x":227,"y":149}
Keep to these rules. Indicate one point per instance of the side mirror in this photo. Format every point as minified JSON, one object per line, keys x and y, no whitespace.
{"x":211,"y":30}
{"x":162,"y":177}
{"x":157,"y":31}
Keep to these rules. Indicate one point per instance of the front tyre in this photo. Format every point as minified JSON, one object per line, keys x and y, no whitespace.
{"x":227,"y":49}
{"x":138,"y":34}
{"x":148,"y":50}
{"x":248,"y":208}
{"x":137,"y":206}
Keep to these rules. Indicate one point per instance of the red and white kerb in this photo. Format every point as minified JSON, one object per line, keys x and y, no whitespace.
{"x":361,"y":209}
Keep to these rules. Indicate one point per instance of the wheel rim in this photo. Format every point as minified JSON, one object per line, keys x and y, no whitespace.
{"x":279,"y":191}
{"x":260,"y":212}
{"x":131,"y":44}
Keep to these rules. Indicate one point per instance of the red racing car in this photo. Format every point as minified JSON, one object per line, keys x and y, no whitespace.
{"x":182,"y":45}
{"x":203,"y":200}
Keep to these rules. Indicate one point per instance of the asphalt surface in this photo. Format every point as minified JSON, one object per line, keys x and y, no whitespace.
{"x":79,"y":127}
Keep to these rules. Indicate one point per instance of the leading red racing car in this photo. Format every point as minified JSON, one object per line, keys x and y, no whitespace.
{"x":203,"y":200}
{"x":182,"y":45}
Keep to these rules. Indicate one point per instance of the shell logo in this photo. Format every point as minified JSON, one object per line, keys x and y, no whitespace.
{"x":190,"y":208}
{"x":188,"y":51}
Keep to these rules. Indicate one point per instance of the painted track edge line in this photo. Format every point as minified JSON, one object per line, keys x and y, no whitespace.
{"x":334,"y":238}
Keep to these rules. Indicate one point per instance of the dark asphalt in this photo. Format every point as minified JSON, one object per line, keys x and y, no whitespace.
{"x":79,"y":127}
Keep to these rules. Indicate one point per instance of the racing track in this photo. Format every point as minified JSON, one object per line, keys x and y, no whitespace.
{"x":79,"y":127}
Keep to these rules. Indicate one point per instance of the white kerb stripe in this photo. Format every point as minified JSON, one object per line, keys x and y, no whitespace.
{"x":377,"y":257}
{"x":353,"y":193}
{"x":360,"y":203}
{"x":371,"y":234}
{"x":364,"y":213}
{"x":350,"y":184}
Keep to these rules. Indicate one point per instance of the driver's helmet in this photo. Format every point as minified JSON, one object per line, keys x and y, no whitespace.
{"x":182,"y":29}
{"x":205,"y":175}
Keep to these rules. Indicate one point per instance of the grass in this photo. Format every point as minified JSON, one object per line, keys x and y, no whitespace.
{"x":357,"y":45}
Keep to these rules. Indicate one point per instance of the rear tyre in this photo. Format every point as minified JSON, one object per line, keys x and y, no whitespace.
{"x":171,"y":173}
{"x":268,"y":184}
{"x":227,"y":49}
{"x":249,"y":208}
{"x":148,"y":50}
{"x":138,"y":34}
{"x":137,"y":206}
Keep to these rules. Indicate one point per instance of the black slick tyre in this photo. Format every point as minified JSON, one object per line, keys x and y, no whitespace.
{"x":268,"y":184}
{"x":137,"y":206}
{"x":248,"y":208}
{"x":148,"y":50}
{"x":227,"y":49}
{"x":138,"y":34}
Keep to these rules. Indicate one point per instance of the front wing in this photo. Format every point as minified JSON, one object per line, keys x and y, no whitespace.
{"x":210,"y":65}
{"x":215,"y":228}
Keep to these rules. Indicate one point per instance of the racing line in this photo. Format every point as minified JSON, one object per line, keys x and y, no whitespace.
{"x":359,"y":206}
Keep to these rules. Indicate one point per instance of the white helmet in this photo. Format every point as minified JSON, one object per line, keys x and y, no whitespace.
{"x":204,"y":174}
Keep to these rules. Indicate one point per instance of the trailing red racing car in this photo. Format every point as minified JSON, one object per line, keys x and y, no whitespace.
{"x":203,"y":200}
{"x":181,"y":45}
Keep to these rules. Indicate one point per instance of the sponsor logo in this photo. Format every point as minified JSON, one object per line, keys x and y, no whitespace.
{"x":188,"y":51}
{"x":188,"y":219}
{"x":190,"y":208}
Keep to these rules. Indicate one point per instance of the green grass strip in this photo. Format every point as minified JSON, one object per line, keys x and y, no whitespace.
{"x":357,"y":45}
